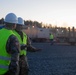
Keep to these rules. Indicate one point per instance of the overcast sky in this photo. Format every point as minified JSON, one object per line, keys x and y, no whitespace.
{"x":60,"y":12}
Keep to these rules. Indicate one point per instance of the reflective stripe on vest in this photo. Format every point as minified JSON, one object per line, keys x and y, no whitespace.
{"x":4,"y":66}
{"x":4,"y":58}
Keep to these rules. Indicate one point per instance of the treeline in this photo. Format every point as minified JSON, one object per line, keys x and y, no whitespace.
{"x":27,"y":22}
{"x":33,"y":23}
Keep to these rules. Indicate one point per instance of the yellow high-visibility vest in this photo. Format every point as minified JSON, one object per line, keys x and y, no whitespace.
{"x":5,"y":58}
{"x":22,"y":52}
{"x":51,"y":36}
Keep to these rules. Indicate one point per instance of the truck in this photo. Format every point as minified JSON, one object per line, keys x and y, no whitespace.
{"x":62,"y":35}
{"x":38,"y":34}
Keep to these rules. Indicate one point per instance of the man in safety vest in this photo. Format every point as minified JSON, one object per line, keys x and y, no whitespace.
{"x":9,"y":47}
{"x":25,"y":46}
{"x":51,"y":38}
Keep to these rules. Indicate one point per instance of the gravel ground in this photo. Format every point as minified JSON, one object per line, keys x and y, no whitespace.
{"x":52,"y":60}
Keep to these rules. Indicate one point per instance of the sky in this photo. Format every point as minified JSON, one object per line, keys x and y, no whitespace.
{"x":55,"y":12}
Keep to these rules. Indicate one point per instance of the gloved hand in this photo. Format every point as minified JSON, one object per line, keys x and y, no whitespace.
{"x":23,"y":46}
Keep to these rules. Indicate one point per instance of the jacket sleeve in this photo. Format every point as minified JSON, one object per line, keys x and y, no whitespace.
{"x":31,"y":48}
{"x":13,"y":48}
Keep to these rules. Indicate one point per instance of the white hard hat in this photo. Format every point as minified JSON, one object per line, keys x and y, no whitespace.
{"x":11,"y":18}
{"x":20,"y":21}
